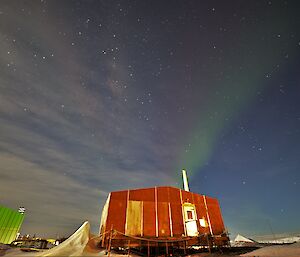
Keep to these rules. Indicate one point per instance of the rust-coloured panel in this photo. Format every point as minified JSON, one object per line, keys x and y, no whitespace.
{"x":162,"y":194}
{"x":149,"y":228}
{"x":215,"y":216}
{"x":198,"y":199}
{"x":146,"y":194}
{"x":163,"y":219}
{"x":201,"y":213}
{"x":145,"y":223}
{"x":177,"y":220}
{"x":174,"y":195}
{"x":119,"y":195}
{"x":187,"y":197}
{"x":116,"y":214}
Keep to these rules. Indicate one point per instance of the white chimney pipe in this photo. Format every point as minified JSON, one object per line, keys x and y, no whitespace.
{"x":185,"y":181}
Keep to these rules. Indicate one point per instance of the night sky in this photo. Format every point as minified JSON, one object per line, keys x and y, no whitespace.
{"x":99,"y":96}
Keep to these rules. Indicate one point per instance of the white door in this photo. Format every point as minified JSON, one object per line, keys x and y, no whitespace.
{"x":190,"y":220}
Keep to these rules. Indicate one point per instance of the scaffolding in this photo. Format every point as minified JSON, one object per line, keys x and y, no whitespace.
{"x":117,"y":240}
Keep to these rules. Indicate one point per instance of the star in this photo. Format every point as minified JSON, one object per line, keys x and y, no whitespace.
{"x":104,"y":96}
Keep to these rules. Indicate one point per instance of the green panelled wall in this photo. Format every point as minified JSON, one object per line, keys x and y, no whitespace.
{"x":10,"y":223}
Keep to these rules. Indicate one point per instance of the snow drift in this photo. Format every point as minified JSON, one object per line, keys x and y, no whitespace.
{"x":292,"y":250}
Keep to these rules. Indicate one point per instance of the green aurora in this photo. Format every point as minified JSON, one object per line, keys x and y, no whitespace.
{"x":246,"y":68}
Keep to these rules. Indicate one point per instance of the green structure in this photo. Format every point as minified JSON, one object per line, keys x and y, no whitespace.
{"x":10,"y":223}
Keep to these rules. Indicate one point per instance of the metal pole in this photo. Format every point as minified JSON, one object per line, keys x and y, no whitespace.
{"x":167,"y":250}
{"x":109,"y":242}
{"x":208,"y":243}
{"x":103,"y":238}
{"x":128,"y":248}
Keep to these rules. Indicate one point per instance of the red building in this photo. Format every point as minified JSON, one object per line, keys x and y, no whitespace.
{"x":162,"y":214}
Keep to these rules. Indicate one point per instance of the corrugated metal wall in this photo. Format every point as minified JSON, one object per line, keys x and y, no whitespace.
{"x":10,"y":223}
{"x":158,"y":212}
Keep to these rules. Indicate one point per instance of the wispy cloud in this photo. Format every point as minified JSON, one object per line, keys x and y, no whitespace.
{"x":67,"y":137}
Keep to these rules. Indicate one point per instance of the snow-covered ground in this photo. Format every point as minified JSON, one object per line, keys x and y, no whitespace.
{"x":292,"y":250}
{"x":286,"y":240}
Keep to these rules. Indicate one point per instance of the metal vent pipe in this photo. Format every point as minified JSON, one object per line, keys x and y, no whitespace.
{"x":185,"y":181}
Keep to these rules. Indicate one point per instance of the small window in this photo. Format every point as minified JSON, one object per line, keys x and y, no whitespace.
{"x":189,"y":215}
